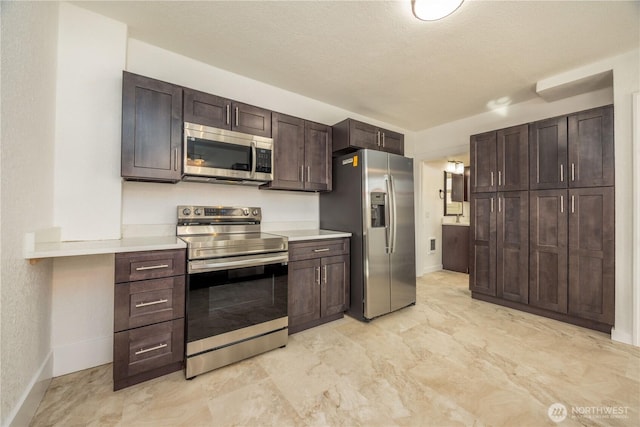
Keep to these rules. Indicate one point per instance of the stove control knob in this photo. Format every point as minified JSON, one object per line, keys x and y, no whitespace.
{"x":197,"y":211}
{"x":255,"y":212}
{"x":186,"y":211}
{"x":245,"y":212}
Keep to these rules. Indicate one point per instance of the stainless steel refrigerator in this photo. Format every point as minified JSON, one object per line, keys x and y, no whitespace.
{"x":372,"y":198}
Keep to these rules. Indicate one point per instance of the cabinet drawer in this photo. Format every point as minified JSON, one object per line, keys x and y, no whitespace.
{"x":133,"y":266}
{"x":148,"y":301}
{"x":317,"y":249}
{"x":143,"y":349}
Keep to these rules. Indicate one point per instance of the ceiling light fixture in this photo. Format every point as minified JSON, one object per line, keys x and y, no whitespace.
{"x":455,"y":166}
{"x":432,"y":10}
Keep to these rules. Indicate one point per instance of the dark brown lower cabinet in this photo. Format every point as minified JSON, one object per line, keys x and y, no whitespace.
{"x":591,"y":254}
{"x":571,"y":264}
{"x":149,"y":308}
{"x":318,"y":282}
{"x":455,"y":248}
{"x":548,"y":264}
{"x":500,"y":245}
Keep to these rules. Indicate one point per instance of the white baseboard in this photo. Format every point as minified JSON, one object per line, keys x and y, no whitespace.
{"x":621,"y":336}
{"x":82,"y":355}
{"x":431,"y":269}
{"x":27,"y":406}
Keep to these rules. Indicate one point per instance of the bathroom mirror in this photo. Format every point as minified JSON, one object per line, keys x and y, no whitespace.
{"x":453,"y":193}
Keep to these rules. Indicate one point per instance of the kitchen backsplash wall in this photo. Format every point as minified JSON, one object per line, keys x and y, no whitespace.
{"x":154,"y":204}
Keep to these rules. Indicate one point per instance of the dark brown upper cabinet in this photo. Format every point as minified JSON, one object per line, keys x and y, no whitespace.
{"x":500,"y":160}
{"x":548,"y":154}
{"x":211,"y":110}
{"x":591,"y":148}
{"x":350,"y":135}
{"x":573,"y":151}
{"x":302,"y":158}
{"x":151,"y":129}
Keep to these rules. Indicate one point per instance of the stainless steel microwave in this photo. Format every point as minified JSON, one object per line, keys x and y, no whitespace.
{"x":220,"y":155}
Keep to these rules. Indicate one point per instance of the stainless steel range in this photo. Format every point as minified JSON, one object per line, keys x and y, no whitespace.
{"x":237,"y":286}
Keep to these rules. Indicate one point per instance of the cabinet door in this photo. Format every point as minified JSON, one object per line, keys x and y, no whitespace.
{"x":591,"y":148}
{"x":317,"y":142}
{"x":548,"y":154}
{"x":392,"y":142}
{"x":512,"y":262}
{"x":591,"y":254}
{"x":288,"y":145}
{"x":363,"y":135}
{"x":252,"y":120}
{"x":513,"y":158}
{"x":206,"y":109}
{"x":455,"y":248}
{"x":483,"y":163}
{"x":548,"y":262}
{"x":151,"y":129}
{"x":304,"y":291}
{"x":482,"y":267}
{"x":335,"y":285}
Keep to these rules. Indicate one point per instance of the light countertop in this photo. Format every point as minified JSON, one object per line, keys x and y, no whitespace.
{"x":96,"y":247}
{"x":313,"y":234}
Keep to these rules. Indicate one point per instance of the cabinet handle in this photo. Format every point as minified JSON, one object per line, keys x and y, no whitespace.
{"x":237,"y":114}
{"x":301,"y":173}
{"x":561,"y":204}
{"x":324,"y":273}
{"x":152,"y":267}
{"x":573,"y":204}
{"x":378,"y":138}
{"x":499,"y":178}
{"x":321,"y":250}
{"x":492,"y":180}
{"x":561,"y":172}
{"x":308,"y":173}
{"x":228,"y":107}
{"x":492,"y":204}
{"x":573,"y":171}
{"x":145,"y":304}
{"x":175,"y":159}
{"x":499,"y":204}
{"x":147,"y":350}
{"x":382,"y":139}
{"x":318,"y":275}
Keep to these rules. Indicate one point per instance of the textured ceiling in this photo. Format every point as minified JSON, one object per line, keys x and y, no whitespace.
{"x":375,"y":59}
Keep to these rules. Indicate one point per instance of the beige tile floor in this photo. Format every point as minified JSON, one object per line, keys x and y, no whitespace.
{"x":449,"y":360}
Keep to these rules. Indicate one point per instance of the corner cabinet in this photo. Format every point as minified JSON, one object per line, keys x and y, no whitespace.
{"x":351,"y":135}
{"x":148,"y":315}
{"x":302,"y":159}
{"x":562,"y":226}
{"x":318,"y":282}
{"x":151,"y":129}
{"x":211,"y":110}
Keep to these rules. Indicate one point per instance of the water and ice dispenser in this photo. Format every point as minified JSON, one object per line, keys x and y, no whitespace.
{"x":378,"y":204}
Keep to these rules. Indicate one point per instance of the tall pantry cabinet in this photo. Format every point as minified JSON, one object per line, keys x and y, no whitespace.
{"x":568,"y":209}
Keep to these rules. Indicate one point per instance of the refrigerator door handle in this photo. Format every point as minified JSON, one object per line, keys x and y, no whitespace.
{"x":387,"y":213}
{"x":392,"y":218}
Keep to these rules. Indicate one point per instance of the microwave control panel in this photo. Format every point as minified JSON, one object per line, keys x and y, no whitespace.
{"x":263,"y":160}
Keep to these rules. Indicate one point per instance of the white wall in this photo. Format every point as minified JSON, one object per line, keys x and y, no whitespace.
{"x":91,"y":56}
{"x":28,"y":83}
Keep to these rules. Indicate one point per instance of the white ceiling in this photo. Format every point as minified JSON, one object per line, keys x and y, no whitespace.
{"x":374,"y":58}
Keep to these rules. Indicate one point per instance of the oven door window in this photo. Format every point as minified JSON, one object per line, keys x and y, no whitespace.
{"x":219,"y":155}
{"x":224,"y":301}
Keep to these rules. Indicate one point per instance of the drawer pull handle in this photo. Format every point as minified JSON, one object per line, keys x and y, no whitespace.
{"x":146,"y":350}
{"x":152,"y":267}
{"x":321,"y":250}
{"x":145,"y":304}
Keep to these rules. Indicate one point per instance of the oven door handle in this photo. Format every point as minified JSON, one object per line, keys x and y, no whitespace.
{"x":201,"y":266}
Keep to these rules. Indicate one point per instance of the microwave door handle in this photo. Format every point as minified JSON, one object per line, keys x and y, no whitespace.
{"x":254,"y":158}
